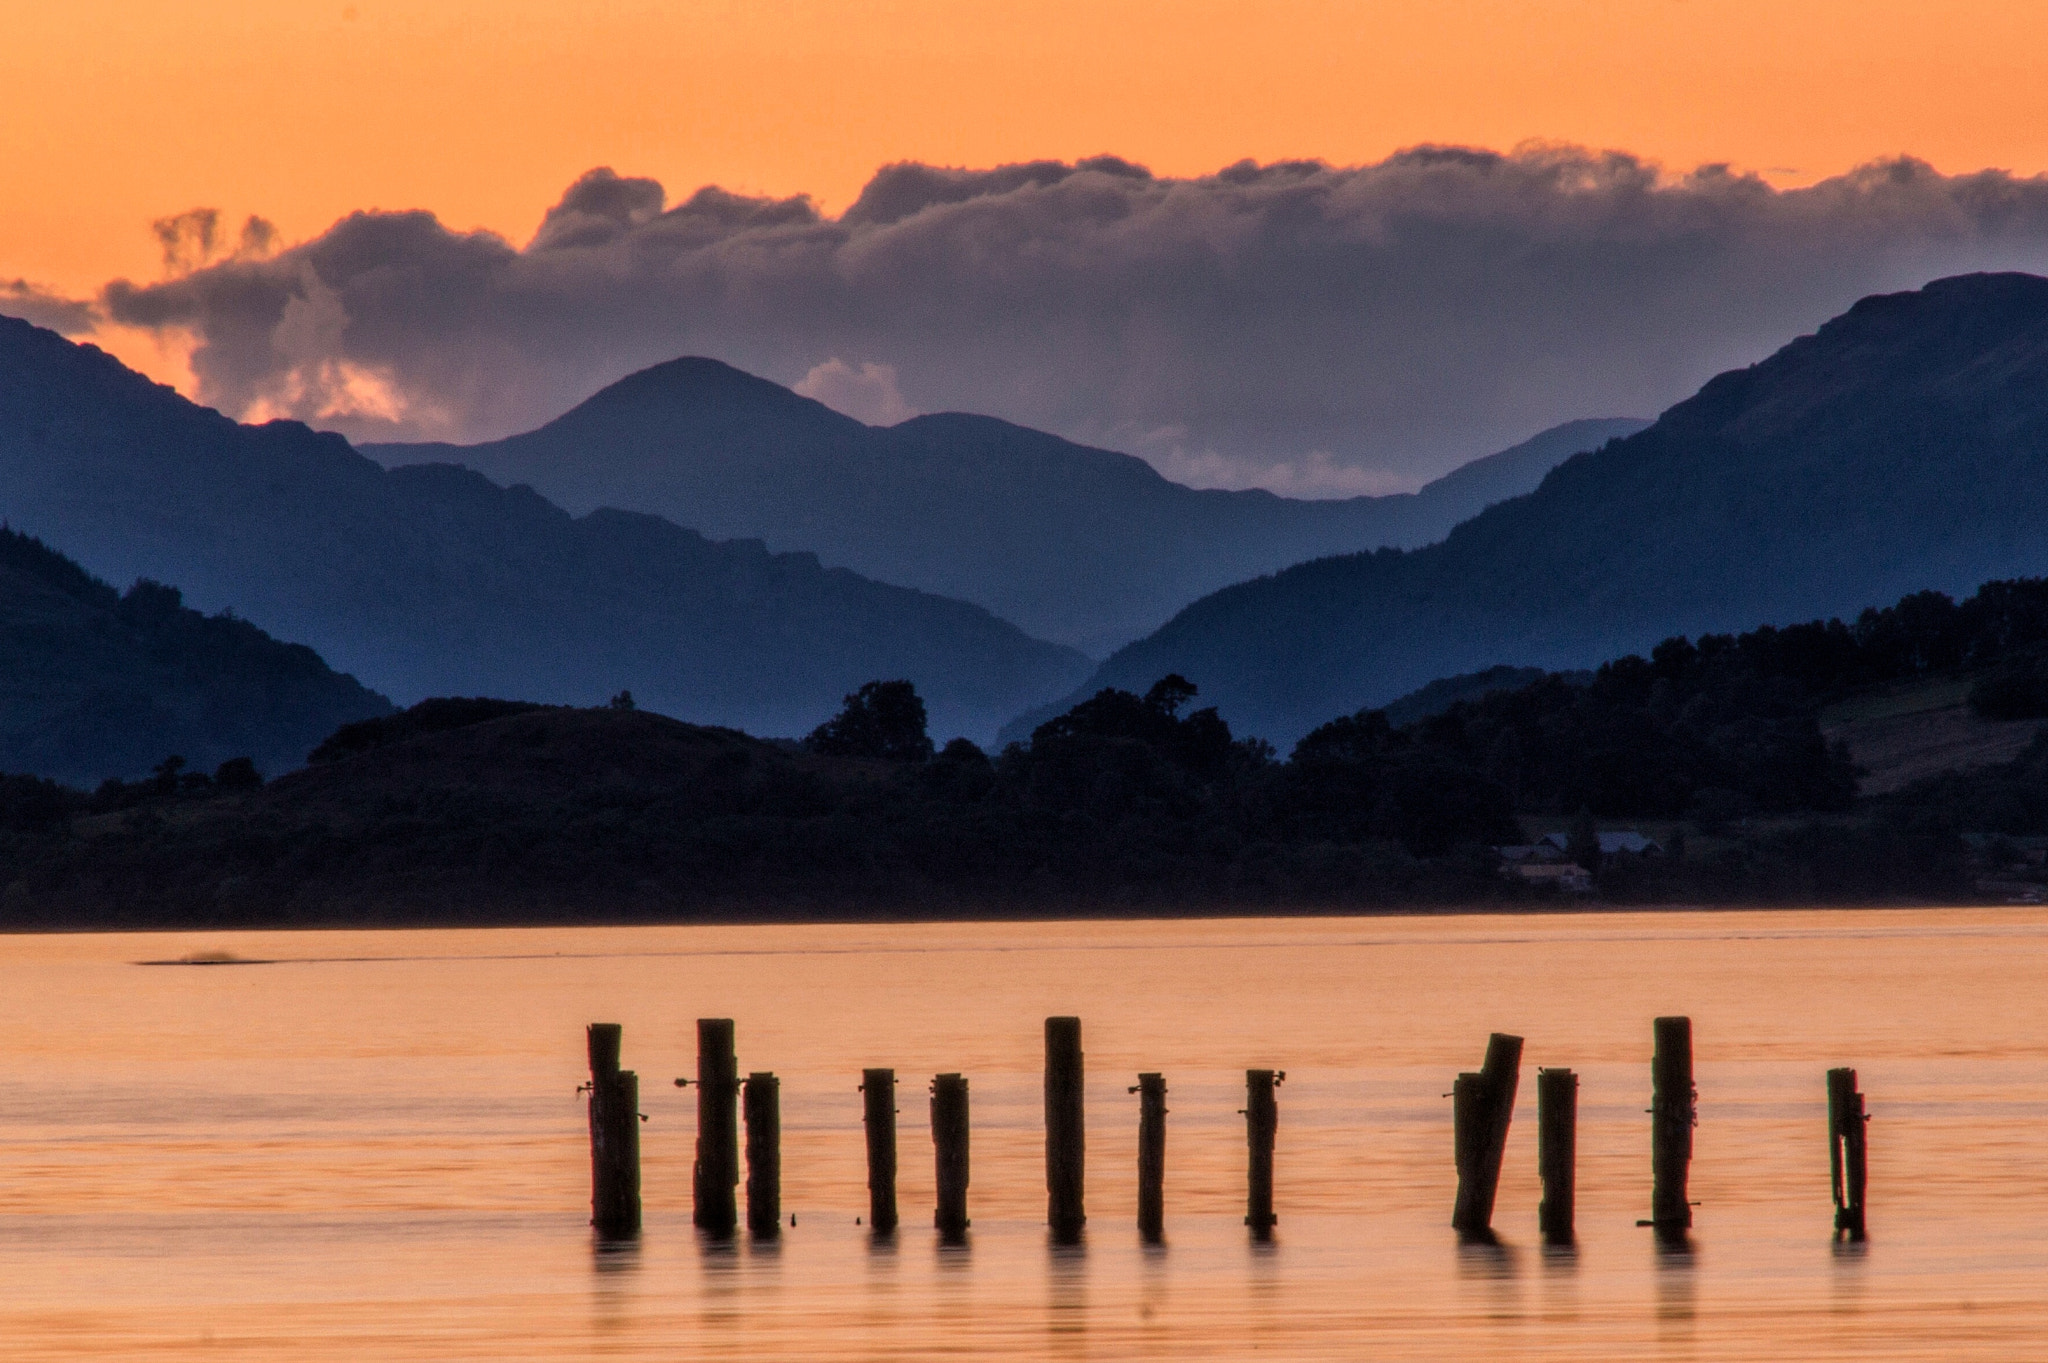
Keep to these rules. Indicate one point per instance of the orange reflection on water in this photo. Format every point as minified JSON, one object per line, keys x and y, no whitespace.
{"x":373,"y":1148}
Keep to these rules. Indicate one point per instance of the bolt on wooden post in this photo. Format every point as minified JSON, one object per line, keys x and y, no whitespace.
{"x":764,"y":1155}
{"x":1065,"y":1138}
{"x":1848,"y":1154}
{"x":614,"y":1136}
{"x":1557,"y":1127}
{"x":949,"y":1144}
{"x":1151,"y":1091}
{"x":1262,"y":1122}
{"x":718,"y":1152}
{"x":1673,"y":1112}
{"x":878,"y":1090}
{"x":1482,"y":1106}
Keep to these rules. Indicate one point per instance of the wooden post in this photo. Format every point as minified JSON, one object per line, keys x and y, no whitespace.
{"x":949,"y":1141}
{"x":764,"y":1156}
{"x":1847,"y":1153}
{"x":718,"y":1149}
{"x":1673,"y":1112}
{"x":1151,"y":1091}
{"x":1065,"y":1141}
{"x":879,"y":1090}
{"x":614,"y":1136}
{"x":1483,"y":1105}
{"x":1557,"y":1129}
{"x":1262,"y":1121}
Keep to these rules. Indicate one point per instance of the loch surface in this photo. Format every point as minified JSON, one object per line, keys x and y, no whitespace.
{"x":370,"y":1145}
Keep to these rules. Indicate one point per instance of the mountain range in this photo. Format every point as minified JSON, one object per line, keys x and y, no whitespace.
{"x":1084,"y":546}
{"x":1903,"y":446}
{"x":432,"y":580}
{"x":97,"y":683}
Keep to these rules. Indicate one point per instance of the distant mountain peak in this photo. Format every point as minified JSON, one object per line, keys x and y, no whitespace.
{"x":1085,"y":546}
{"x":697,"y":387}
{"x":1902,"y":446}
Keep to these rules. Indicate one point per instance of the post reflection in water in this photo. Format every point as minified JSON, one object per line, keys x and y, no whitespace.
{"x":1678,"y":1289}
{"x":614,"y":1266}
{"x":1067,"y":1299}
{"x":395,"y":1163}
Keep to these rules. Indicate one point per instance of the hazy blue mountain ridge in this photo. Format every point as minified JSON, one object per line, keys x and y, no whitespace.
{"x":434,"y":581}
{"x":1902,"y":446}
{"x":1086,"y":546}
{"x":97,"y":683}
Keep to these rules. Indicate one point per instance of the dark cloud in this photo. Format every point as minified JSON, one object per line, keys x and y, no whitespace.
{"x":33,"y":303}
{"x":195,"y":239}
{"x":1294,"y":323}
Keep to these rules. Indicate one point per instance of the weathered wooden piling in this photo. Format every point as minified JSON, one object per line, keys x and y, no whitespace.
{"x":1673,"y":1112}
{"x":764,"y":1155}
{"x":1151,"y":1091}
{"x":878,"y":1089}
{"x":718,"y":1149}
{"x":1483,"y":1105}
{"x":1557,"y":1129}
{"x":1262,"y":1121}
{"x":614,"y":1136}
{"x":1847,"y":1152}
{"x":1065,"y":1136}
{"x":949,"y":1142}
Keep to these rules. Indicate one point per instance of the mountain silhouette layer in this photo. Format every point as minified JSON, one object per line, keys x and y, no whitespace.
{"x":434,"y":581}
{"x":1903,"y":446}
{"x":96,"y":683}
{"x":1081,"y":545}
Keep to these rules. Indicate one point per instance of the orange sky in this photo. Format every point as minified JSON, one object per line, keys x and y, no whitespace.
{"x":113,"y":112}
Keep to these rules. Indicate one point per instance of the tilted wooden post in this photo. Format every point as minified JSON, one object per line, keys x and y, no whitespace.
{"x":1484,"y":1104}
{"x":718,"y":1148}
{"x":764,"y":1156}
{"x":1065,"y":1139}
{"x":614,"y":1136}
{"x":1673,"y":1112}
{"x":1557,"y":1127}
{"x":1151,"y":1091}
{"x":1262,"y":1121}
{"x":949,"y":1142}
{"x":878,"y":1089}
{"x":1848,"y":1153}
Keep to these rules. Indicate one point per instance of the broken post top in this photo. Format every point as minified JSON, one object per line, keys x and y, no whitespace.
{"x":605,"y":1039}
{"x":1503,"y":1055}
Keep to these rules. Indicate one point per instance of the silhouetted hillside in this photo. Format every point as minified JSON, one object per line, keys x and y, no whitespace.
{"x":1903,"y":446}
{"x":433,"y":581}
{"x":97,"y":683}
{"x":1082,"y":545}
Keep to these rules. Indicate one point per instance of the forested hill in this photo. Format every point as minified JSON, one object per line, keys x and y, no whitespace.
{"x":1084,"y":546}
{"x":434,"y":581}
{"x":97,"y":683}
{"x":1903,"y":446}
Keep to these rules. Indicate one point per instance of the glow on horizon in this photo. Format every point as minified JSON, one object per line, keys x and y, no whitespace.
{"x":121,"y":111}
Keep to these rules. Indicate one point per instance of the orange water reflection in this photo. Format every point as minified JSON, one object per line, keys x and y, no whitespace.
{"x":373,"y":1147}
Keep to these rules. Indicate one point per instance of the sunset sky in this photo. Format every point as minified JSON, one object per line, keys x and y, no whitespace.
{"x":120,"y":112}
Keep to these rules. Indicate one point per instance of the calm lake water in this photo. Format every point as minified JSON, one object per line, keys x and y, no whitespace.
{"x":373,"y":1148}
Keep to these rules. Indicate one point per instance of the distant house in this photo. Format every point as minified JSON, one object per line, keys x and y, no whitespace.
{"x":1563,"y":876}
{"x":1631,"y":842}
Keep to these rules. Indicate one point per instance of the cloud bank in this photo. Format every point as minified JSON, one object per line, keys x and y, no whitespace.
{"x":1296,"y":325}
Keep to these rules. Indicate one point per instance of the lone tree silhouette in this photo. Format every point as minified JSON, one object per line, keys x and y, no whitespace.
{"x":883,"y":719}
